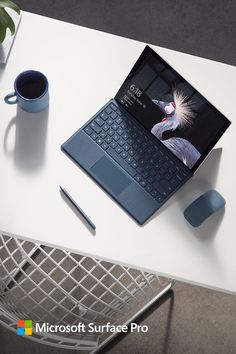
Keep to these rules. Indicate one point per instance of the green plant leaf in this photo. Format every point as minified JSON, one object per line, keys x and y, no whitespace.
{"x":10,"y":4}
{"x":9,"y":23}
{"x":5,"y":19}
{"x":3,"y":29}
{"x":6,"y":22}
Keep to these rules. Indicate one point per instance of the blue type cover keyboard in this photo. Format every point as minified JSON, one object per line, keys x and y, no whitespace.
{"x":127,"y":142}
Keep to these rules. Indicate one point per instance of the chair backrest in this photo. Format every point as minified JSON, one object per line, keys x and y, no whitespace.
{"x":57,"y":287}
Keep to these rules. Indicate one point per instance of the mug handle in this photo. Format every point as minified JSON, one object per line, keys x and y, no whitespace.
{"x":8,"y":97}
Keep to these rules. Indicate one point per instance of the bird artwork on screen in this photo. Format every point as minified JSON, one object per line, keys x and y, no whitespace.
{"x":178,"y":113}
{"x":171,"y":109}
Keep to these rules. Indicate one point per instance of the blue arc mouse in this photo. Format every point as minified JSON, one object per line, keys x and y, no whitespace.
{"x":204,"y":206}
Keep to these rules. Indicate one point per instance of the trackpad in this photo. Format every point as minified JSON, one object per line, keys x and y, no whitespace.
{"x":110,"y":175}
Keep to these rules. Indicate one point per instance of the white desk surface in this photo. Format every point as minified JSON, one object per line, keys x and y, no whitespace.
{"x":85,"y":69}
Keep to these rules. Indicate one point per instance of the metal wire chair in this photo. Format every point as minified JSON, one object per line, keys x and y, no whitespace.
{"x":54,"y":286}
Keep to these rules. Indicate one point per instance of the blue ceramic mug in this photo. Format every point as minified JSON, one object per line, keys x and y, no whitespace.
{"x":31,"y":91}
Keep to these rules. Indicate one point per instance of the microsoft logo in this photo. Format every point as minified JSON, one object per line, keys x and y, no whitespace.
{"x":24,"y":328}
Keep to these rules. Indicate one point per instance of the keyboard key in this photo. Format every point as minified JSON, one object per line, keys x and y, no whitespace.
{"x":103,"y":134}
{"x":116,"y":137}
{"x":130,"y":122}
{"x":179,"y":177}
{"x":118,"y":149}
{"x":105,"y":127}
{"x":95,"y":127}
{"x":143,"y":183}
{"x":150,"y":150}
{"x":131,"y":152}
{"x":99,"y":121}
{"x":108,"y":140}
{"x":134,"y":164}
{"x":130,"y":141}
{"x":119,"y":120}
{"x":138,"y":178}
{"x":142,"y":162}
{"x":139,"y":169}
{"x":111,"y":132}
{"x":124,"y":154}
{"x":125,"y":136}
{"x":161,"y":171}
{"x":148,"y":167}
{"x":108,"y":110}
{"x":120,"y":131}
{"x":139,"y":140}
{"x":113,"y":145}
{"x":145,"y":174}
{"x":165,"y":165}
{"x":166,"y":185}
{"x":154,"y":193}
{"x":171,"y":170}
{"x":88,"y":130}
{"x":129,"y":159}
{"x":123,"y":125}
{"x":167,"y":176}
{"x":94,"y":136}
{"x":115,"y":126}
{"x":99,"y":141}
{"x":121,"y":142}
{"x":113,"y":107}
{"x":157,"y":185}
{"x":159,"y":198}
{"x":153,"y":173}
{"x":145,"y":145}
{"x":109,"y":121}
{"x":140,"y":151}
{"x":105,"y":146}
{"x":104,"y":115}
{"x":113,"y":115}
{"x":150,"y":179}
{"x":121,"y":162}
{"x":148,"y":188}
{"x":126,"y":147}
{"x":175,"y":182}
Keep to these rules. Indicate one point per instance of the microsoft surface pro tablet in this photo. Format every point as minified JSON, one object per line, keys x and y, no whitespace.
{"x":144,"y":144}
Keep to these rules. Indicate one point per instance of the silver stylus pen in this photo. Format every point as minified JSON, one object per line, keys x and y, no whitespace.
{"x":82,"y":213}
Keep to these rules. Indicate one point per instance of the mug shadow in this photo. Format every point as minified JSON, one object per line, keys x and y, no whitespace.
{"x":28,"y":151}
{"x":2,"y":67}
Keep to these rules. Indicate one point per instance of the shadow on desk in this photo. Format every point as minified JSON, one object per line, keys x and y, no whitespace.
{"x":204,"y":179}
{"x":167,"y":298}
{"x":28,"y":149}
{"x":2,"y":66}
{"x":78,"y":215}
